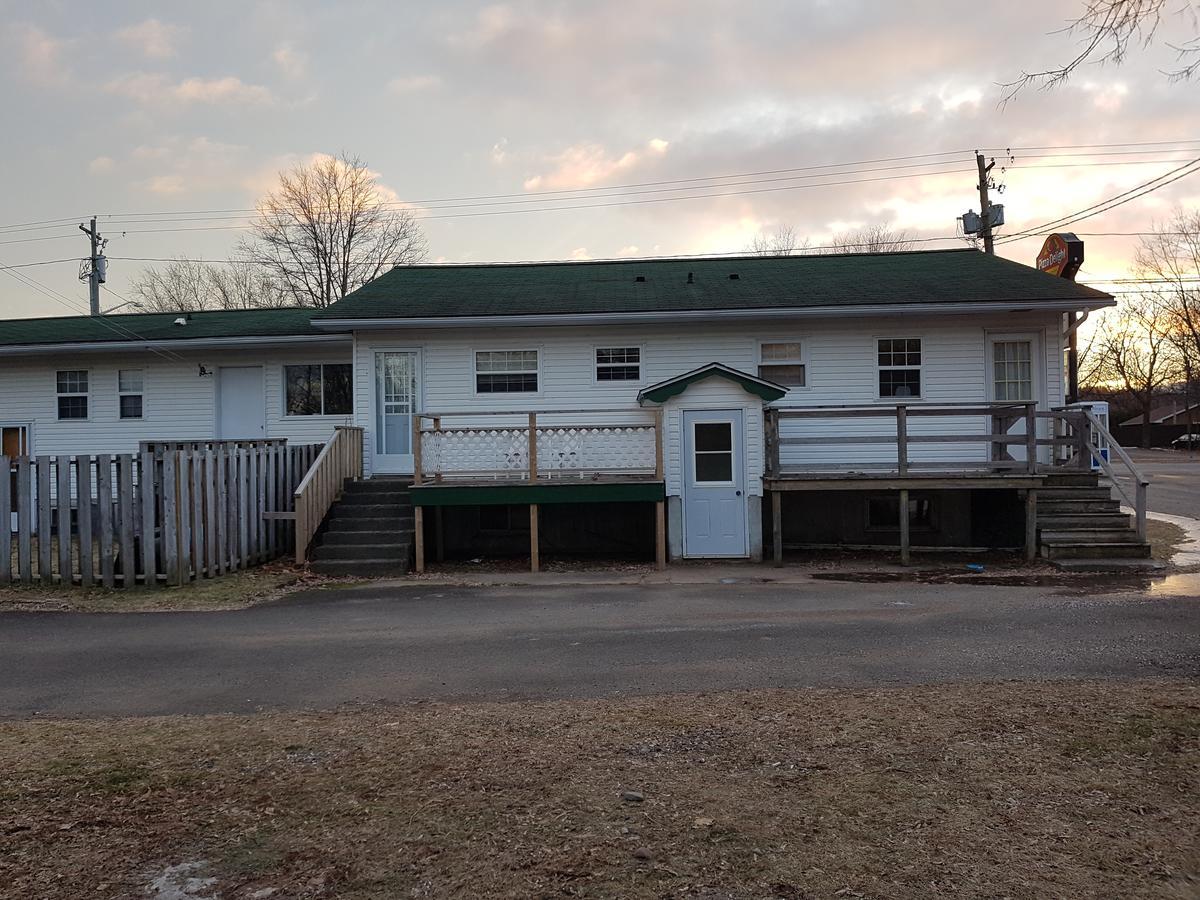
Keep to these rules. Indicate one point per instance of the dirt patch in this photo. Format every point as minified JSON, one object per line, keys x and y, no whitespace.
{"x":234,"y":591}
{"x":1059,"y":789}
{"x":1165,"y":538}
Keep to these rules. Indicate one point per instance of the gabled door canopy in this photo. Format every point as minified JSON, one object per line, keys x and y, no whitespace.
{"x":767,"y":391}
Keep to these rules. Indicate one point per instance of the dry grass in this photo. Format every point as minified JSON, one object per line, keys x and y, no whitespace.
{"x":1031,"y":790}
{"x":235,"y":591}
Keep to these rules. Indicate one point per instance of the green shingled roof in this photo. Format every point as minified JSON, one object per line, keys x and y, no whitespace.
{"x":658,"y":285}
{"x":266,"y":323}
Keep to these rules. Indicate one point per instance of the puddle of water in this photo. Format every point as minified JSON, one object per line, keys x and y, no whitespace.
{"x":1185,"y":585}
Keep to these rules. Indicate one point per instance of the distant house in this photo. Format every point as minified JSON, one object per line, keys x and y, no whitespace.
{"x":853,"y":391}
{"x":1173,"y":413}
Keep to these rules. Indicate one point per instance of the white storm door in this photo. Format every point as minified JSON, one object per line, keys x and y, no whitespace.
{"x":714,"y":495}
{"x":241,"y":404}
{"x":397,"y":387}
{"x":1015,"y":368}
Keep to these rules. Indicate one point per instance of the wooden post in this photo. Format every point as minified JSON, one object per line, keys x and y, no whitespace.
{"x":659,"y":462}
{"x":24,"y":518}
{"x":533,"y":461}
{"x":534,"y":563}
{"x":902,"y":439}
{"x":1031,"y":524}
{"x":777,"y":526}
{"x":1140,"y":509}
{"x":419,"y":537}
{"x":147,"y":493}
{"x":905,"y":544}
{"x":772,"y":437}
{"x":5,"y":521}
{"x":170,"y":522}
{"x":63,"y":466}
{"x":104,"y":506}
{"x":45,"y":554}
{"x":416,"y":449}
{"x":127,"y":514}
{"x":660,"y":534}
{"x":1031,"y":460}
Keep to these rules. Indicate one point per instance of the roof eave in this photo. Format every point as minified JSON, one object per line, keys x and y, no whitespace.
{"x":174,"y":344}
{"x":1065,"y":304}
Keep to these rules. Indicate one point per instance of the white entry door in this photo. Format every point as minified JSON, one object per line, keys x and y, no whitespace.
{"x":397,"y":387}
{"x":241,"y":403}
{"x":714,"y":490}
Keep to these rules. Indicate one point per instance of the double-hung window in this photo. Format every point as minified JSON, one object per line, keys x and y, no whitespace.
{"x":781,"y":362}
{"x":72,"y":393}
{"x":1012,"y":370}
{"x":618,"y":363}
{"x":130,"y":384}
{"x":322,"y":389}
{"x":506,"y":371}
{"x":899,"y":367}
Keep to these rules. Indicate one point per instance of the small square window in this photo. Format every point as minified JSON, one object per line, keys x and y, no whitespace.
{"x":72,"y":407}
{"x":618,"y":364}
{"x":781,"y":362}
{"x":131,"y":406}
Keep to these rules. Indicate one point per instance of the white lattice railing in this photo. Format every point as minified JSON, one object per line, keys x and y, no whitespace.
{"x":561,"y":449}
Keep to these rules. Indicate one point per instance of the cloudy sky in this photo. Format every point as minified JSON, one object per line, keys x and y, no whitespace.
{"x":153,"y":114}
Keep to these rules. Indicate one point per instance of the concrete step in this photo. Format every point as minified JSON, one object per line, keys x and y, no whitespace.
{"x":374,"y":486}
{"x":345,"y":510}
{"x":1127,"y":550}
{"x":1089,"y":536}
{"x":1074,"y":493}
{"x":380,"y":537}
{"x":375,"y":498}
{"x":1074,"y":507}
{"x":393,"y":552}
{"x":342,"y":523}
{"x":1055,"y":521}
{"x":365,"y":568}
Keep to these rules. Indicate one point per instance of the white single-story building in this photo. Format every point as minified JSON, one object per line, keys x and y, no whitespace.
{"x":697,"y":385}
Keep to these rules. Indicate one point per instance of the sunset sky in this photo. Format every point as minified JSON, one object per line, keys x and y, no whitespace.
{"x":152,"y":114}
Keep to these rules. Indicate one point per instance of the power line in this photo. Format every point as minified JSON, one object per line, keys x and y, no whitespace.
{"x":44,"y":262}
{"x":1104,"y":205}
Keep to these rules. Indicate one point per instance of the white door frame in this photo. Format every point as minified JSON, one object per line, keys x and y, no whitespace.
{"x":378,"y":461}
{"x":221,"y":436}
{"x":689,"y":419}
{"x":1037,"y":369}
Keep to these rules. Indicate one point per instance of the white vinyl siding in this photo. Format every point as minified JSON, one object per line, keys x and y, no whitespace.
{"x":179,"y":403}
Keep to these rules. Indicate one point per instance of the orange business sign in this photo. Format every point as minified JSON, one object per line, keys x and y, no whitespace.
{"x":1061,"y":255}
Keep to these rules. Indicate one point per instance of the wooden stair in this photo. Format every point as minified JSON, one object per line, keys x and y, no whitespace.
{"x":368,"y":531}
{"x":1077,"y":518}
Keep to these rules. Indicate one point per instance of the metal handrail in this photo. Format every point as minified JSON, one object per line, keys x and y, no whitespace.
{"x":1142,"y":483}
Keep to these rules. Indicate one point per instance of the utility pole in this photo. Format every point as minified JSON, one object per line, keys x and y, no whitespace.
{"x":985,"y":205}
{"x":95,"y":275}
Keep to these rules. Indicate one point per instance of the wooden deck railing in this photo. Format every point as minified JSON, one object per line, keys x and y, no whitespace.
{"x":1096,"y":435}
{"x":339,"y":459}
{"x":1069,"y":443}
{"x":532,"y":446}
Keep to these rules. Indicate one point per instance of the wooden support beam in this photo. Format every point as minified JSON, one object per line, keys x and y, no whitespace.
{"x":659,"y":467}
{"x":416,"y":449}
{"x":1031,"y":524}
{"x":419,"y":537}
{"x":777,"y":526}
{"x":905,"y":543}
{"x":660,"y":534}
{"x":1031,"y":460}
{"x":534,"y":563}
{"x":902,"y":439}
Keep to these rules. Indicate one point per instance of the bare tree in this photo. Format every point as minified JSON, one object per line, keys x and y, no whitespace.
{"x":1109,"y":29}
{"x":328,"y":228}
{"x":1169,"y":257}
{"x":1136,"y":354}
{"x":187,"y":285}
{"x":878,"y":238}
{"x":780,"y":242}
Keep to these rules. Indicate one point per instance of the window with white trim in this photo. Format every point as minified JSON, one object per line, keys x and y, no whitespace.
{"x":781,"y":362}
{"x":1012,"y":370}
{"x":72,"y":387}
{"x":321,"y":389}
{"x":618,"y":363}
{"x":506,"y":371}
{"x":129,"y":393}
{"x":899,"y":367}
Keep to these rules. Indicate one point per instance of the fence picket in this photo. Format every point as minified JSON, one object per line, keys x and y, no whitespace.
{"x":243,"y":495}
{"x":44,"y":525}
{"x":197,"y":490}
{"x":62,"y":500}
{"x":104,"y":510}
{"x":126,"y":515}
{"x":222,"y":492}
{"x":170,"y":518}
{"x":83,"y":518}
{"x":25,"y":518}
{"x":6,"y":549}
{"x":148,"y":494}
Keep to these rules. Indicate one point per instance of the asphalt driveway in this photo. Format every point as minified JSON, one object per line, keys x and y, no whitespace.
{"x":372,"y":643}
{"x":1174,"y":480}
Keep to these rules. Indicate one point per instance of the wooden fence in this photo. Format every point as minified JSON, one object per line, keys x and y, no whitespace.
{"x":164,"y":515}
